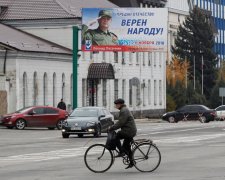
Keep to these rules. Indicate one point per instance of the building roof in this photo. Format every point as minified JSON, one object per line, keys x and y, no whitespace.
{"x":19,"y":40}
{"x":47,"y":9}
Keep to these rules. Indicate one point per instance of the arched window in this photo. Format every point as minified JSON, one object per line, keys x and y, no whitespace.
{"x":134,"y":89}
{"x":35,"y":89}
{"x":45,"y":89}
{"x":54,"y":89}
{"x":71,"y":89}
{"x":25,"y":89}
{"x":63,"y":85}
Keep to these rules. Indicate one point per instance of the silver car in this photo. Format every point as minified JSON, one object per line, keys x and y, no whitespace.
{"x":220,"y":113}
{"x":87,"y":120}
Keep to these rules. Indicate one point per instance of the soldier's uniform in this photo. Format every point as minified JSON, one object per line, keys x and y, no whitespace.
{"x":97,"y":36}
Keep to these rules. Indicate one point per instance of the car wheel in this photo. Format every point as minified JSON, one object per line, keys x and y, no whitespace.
{"x":59,"y":124}
{"x":202,"y":119}
{"x":98,"y":131}
{"x":171,"y":119}
{"x":20,"y":124}
{"x":80,"y":135}
{"x":65,"y":135}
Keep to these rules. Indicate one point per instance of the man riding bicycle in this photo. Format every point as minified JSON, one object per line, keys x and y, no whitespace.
{"x":128,"y":130}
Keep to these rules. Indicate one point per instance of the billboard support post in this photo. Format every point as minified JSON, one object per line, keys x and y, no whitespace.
{"x":75,"y":60}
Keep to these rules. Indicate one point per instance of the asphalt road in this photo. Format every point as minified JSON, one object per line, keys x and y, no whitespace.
{"x":190,"y":151}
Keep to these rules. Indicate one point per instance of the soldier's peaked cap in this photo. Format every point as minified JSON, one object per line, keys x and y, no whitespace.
{"x":105,"y":13}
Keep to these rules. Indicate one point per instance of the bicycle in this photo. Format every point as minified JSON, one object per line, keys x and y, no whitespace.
{"x":146,"y":156}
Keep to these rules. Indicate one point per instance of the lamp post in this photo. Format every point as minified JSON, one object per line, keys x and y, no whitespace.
{"x":75,"y":59}
{"x":202,"y":74}
{"x":194,"y":72}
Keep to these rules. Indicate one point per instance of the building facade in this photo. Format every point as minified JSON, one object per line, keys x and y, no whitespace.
{"x":217,"y":10}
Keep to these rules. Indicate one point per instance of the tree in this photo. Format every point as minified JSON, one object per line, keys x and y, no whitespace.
{"x":177,"y":70}
{"x":195,"y":39}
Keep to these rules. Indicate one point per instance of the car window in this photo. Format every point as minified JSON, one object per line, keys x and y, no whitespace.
{"x":38,"y":110}
{"x":23,"y":110}
{"x":51,"y":111}
{"x":106,"y":112}
{"x":101,"y":112}
{"x":85,"y":112}
{"x":221,"y":108}
{"x":184,"y":108}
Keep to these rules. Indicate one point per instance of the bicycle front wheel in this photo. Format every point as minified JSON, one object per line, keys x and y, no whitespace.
{"x":98,"y":158}
{"x":146,"y":157}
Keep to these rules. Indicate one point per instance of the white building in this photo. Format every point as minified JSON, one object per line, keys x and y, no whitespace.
{"x":140,"y":78}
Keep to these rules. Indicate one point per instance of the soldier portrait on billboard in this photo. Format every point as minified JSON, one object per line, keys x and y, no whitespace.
{"x":101,"y":35}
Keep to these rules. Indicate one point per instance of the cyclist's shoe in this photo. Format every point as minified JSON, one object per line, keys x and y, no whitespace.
{"x":129,"y":166}
{"x":120,"y":154}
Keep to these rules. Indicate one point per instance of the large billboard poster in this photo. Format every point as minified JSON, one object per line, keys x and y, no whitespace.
{"x":124,"y":29}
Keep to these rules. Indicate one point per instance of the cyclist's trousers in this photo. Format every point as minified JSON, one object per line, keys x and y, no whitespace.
{"x":126,"y":143}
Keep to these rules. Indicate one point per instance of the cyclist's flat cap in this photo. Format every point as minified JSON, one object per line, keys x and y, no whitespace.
{"x":105,"y":13}
{"x":119,"y":101}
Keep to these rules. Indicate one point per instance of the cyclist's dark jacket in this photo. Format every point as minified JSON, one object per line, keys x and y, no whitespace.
{"x":125,"y":122}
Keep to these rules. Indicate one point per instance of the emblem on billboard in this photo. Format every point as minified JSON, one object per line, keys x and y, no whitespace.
{"x":88,"y":44}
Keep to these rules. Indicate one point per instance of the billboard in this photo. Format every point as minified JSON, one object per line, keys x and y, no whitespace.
{"x":124,"y":29}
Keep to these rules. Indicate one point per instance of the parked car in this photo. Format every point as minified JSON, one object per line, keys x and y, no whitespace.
{"x":35,"y":116}
{"x":87,"y":120}
{"x":220,"y":113}
{"x":191,"y":112}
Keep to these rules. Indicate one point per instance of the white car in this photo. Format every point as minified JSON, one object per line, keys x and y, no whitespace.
{"x":220,"y":112}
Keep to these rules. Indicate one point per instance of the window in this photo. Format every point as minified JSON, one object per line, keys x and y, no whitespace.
{"x":130,"y":92}
{"x":130,"y":57}
{"x":54,"y":89}
{"x":154,"y":54}
{"x":116,"y":57}
{"x":144,"y":58}
{"x":71,"y":89}
{"x":144,"y":93}
{"x":149,"y":92}
{"x":124,"y":89}
{"x":84,"y":92}
{"x":91,"y":55}
{"x":137,"y":58}
{"x":149,"y":58}
{"x":160,"y":92}
{"x":25,"y":89}
{"x":104,"y":88}
{"x":116,"y":90}
{"x":45,"y":88}
{"x":123,"y":58}
{"x":35,"y":88}
{"x":103,"y":56}
{"x":63,"y":85}
{"x":155,"y":92}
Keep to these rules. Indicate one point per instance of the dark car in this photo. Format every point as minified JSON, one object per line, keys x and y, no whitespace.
{"x":87,"y":120}
{"x":191,"y":112}
{"x":35,"y":116}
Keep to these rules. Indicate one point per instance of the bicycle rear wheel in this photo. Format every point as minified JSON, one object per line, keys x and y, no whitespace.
{"x":146,"y":157}
{"x":98,"y":158}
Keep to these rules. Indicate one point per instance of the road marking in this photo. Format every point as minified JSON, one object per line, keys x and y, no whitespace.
{"x":182,"y":130}
{"x":189,"y":139}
